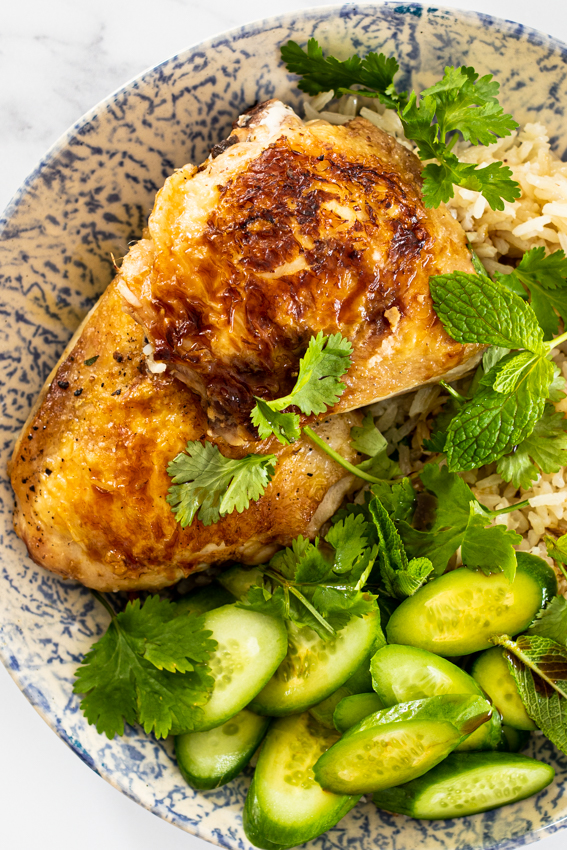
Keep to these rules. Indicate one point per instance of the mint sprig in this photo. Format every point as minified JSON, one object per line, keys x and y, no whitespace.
{"x":510,"y":399}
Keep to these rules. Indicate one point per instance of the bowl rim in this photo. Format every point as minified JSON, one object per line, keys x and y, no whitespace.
{"x":503,"y":25}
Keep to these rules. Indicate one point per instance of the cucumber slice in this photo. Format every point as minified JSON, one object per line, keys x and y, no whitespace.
{"x":238,"y":580}
{"x":250,"y":648}
{"x":403,"y":673}
{"x":314,"y":668}
{"x":466,"y":784}
{"x":352,"y":709}
{"x":203,"y":600}
{"x":491,"y":672}
{"x":211,"y":759}
{"x":359,"y":683}
{"x":285,"y":805}
{"x":514,"y":739}
{"x":459,"y":612}
{"x":323,"y":712}
{"x":398,"y":744}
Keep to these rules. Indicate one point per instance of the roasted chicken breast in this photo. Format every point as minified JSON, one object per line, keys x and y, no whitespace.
{"x":90,"y":469}
{"x":286,"y":230}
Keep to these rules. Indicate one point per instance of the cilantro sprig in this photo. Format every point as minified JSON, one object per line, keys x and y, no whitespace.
{"x":545,"y":279}
{"x":460,"y":103}
{"x":508,"y":410}
{"x":209,"y":485}
{"x":317,"y":388}
{"x":319,"y":584}
{"x":150,"y":667}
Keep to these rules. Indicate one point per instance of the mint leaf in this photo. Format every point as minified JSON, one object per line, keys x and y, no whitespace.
{"x":474,"y":309}
{"x":493,"y":356}
{"x":208,"y":485}
{"x":320,"y":74}
{"x":401,"y":578}
{"x":128,"y":674}
{"x":505,"y":376}
{"x":557,"y":549}
{"x":539,"y":668}
{"x":544,"y":450}
{"x":551,"y":622}
{"x":490,"y":425}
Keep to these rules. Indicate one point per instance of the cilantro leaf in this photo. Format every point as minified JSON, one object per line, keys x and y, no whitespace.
{"x":401,"y":578}
{"x":399,"y":499}
{"x":551,"y":622}
{"x":366,"y":438}
{"x":544,"y":450}
{"x":460,"y":521}
{"x":539,"y":668}
{"x":317,"y":388}
{"x":284,"y":426}
{"x":545,"y":277}
{"x":209,"y":485}
{"x":494,"y":181}
{"x":475,"y":309}
{"x":320,"y":74}
{"x":459,"y":102}
{"x":468,"y":104}
{"x":319,"y":585}
{"x":149,"y":667}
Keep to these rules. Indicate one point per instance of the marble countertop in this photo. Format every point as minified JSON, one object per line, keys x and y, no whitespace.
{"x":57,"y":60}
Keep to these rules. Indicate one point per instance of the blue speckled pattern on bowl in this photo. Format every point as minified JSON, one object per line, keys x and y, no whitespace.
{"x":89,"y":198}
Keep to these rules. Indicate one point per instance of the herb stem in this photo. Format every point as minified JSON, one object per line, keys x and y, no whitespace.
{"x":103,"y":602}
{"x":289,"y":588}
{"x":517,"y":507}
{"x":553,"y":343}
{"x":339,"y":458}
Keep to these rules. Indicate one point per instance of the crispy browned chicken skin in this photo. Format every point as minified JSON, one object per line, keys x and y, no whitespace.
{"x":289,"y":229}
{"x":89,"y":469}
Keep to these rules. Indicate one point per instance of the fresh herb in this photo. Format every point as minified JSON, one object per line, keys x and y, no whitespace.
{"x":150,"y":667}
{"x":539,"y":668}
{"x":400,"y":577}
{"x":368,"y":440}
{"x":460,"y":102}
{"x":460,"y":521}
{"x":208,"y":485}
{"x":557,"y":549}
{"x":319,"y":584}
{"x":551,"y":622}
{"x":92,"y":360}
{"x":544,"y":450}
{"x":321,"y":74}
{"x":545,"y":278}
{"x":511,"y":397}
{"x":317,"y":388}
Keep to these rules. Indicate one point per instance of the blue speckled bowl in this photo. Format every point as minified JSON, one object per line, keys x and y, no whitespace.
{"x":89,"y":197}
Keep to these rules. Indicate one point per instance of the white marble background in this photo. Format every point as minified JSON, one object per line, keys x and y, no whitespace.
{"x":57,"y":60}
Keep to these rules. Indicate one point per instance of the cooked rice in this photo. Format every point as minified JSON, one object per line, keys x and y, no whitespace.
{"x":537,"y":218}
